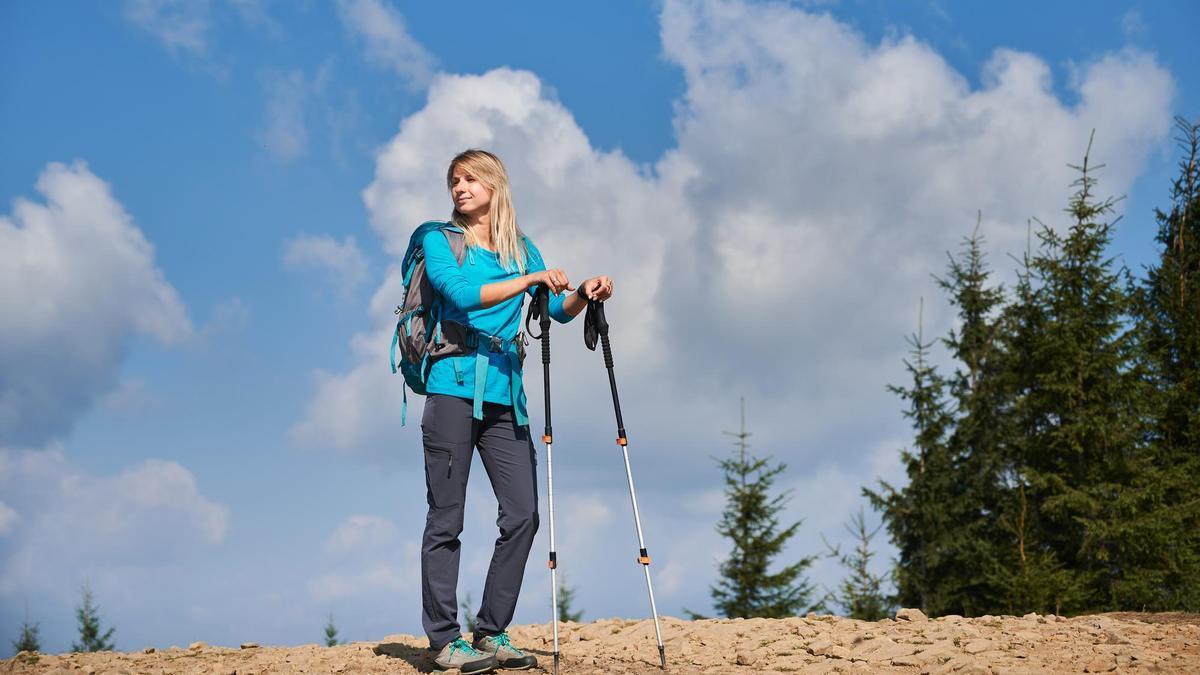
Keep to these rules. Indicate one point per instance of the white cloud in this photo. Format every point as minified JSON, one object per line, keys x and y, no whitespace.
{"x":179,"y":24}
{"x":778,"y":251}
{"x":343,"y":262}
{"x":386,"y":39}
{"x":285,"y":132}
{"x":365,"y":555}
{"x":79,"y":283}
{"x":8,"y":518}
{"x":1133,"y":25}
{"x":77,"y":523}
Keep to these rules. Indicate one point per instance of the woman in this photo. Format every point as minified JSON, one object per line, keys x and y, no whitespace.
{"x":484,"y":294}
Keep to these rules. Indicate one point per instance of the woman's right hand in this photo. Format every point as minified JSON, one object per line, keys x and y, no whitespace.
{"x":555,"y":280}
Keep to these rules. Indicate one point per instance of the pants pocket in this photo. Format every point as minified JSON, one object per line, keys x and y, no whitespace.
{"x":441,"y":486}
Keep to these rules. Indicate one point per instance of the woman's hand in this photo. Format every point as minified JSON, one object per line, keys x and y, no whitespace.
{"x":555,"y":280}
{"x":598,"y":288}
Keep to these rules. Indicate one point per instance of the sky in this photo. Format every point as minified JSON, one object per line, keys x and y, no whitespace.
{"x":205,"y":203}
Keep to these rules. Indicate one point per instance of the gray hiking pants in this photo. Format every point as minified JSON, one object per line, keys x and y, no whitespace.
{"x":450,"y":437}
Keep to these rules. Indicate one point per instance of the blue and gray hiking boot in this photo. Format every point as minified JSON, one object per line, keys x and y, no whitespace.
{"x":508,"y":656}
{"x":461,"y":655}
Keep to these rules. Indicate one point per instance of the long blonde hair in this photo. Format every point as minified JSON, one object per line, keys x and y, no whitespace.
{"x":507,"y":239}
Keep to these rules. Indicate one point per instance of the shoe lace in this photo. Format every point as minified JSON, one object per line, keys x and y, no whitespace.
{"x":465,"y":647}
{"x":503,"y":641}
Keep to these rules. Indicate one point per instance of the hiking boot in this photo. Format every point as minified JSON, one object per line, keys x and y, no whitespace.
{"x":508,"y":656}
{"x":461,"y":655}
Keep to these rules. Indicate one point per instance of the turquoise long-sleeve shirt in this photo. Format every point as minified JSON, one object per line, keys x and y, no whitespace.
{"x":459,"y":288}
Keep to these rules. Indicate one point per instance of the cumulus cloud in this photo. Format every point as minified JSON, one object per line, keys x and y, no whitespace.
{"x":181,"y":25}
{"x":285,"y":132}
{"x":342,"y":262}
{"x":148,"y":514}
{"x":779,"y":250}
{"x":365,"y":554}
{"x":386,"y":39}
{"x":79,"y":283}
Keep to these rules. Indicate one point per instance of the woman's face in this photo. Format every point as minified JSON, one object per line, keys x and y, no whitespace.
{"x":471,"y":197}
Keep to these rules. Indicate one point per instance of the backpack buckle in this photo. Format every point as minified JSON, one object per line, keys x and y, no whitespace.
{"x":495,"y":344}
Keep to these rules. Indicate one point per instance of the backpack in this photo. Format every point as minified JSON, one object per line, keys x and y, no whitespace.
{"x":418,"y":331}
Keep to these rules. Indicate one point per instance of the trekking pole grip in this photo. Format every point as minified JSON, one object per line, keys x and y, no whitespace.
{"x":543,"y":303}
{"x":601,"y":323}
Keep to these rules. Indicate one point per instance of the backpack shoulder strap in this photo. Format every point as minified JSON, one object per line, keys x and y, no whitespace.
{"x":457,"y":240}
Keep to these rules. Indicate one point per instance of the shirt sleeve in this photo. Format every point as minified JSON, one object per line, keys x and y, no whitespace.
{"x":534,"y":263}
{"x":443,"y":271}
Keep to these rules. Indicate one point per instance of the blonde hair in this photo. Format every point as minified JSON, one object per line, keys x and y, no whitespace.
{"x":507,"y":239}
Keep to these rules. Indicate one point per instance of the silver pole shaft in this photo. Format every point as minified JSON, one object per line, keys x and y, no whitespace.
{"x":637,"y":522}
{"x":553,"y":555}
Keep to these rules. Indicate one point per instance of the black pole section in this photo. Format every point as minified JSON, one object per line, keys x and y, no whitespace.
{"x":543,"y":311}
{"x":595,"y":326}
{"x":540,"y":309}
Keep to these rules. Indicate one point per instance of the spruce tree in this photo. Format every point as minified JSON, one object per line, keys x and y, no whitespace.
{"x":331,"y":633}
{"x":916,"y":515}
{"x":1167,"y":305}
{"x":1080,"y":454}
{"x":1026,"y":574}
{"x":976,"y":390}
{"x":468,"y":613}
{"x":91,"y":637}
{"x":861,"y":593}
{"x":566,"y":600}
{"x":750,"y":520}
{"x":28,"y":641}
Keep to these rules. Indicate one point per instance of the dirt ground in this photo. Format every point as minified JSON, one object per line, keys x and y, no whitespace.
{"x":1123,"y":642}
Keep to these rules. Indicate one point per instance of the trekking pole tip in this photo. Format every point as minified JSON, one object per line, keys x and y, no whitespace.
{"x":662,"y":657}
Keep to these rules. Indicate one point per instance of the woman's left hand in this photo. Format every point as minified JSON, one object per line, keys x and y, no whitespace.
{"x":597,"y":288}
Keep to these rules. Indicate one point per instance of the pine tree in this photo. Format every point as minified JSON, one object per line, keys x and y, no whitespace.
{"x":751,"y":521}
{"x":566,"y":598}
{"x":28,"y":640}
{"x":976,"y":390}
{"x":1167,"y":304}
{"x":469,"y":613}
{"x":916,"y":515}
{"x":91,"y":639}
{"x":1026,"y":574}
{"x":861,"y":593}
{"x":331,"y":633}
{"x":1081,"y":451}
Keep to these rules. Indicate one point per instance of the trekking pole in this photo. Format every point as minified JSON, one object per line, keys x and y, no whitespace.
{"x":540,"y":309}
{"x":595,"y":326}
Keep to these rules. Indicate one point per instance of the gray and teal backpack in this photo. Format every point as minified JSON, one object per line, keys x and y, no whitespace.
{"x":418,"y":333}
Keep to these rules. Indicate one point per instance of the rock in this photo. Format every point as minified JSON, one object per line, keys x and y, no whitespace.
{"x":745,"y":658}
{"x":838,"y":652}
{"x":1032,"y":616}
{"x":911,"y":614}
{"x":249,"y":645}
{"x":1100,"y":664}
{"x":148,"y":650}
{"x":197,"y":645}
{"x":976,"y":646}
{"x":1114,"y":639}
{"x":819,"y":647}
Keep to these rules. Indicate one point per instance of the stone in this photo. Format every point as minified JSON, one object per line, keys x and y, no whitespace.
{"x":249,"y":645}
{"x":197,"y":645}
{"x":819,"y":647}
{"x":148,"y":650}
{"x":1100,"y":665}
{"x":746,"y":658}
{"x":838,"y":652}
{"x":977,"y":646}
{"x":911,"y":614}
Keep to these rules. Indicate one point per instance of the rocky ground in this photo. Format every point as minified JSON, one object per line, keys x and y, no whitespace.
{"x":1152,"y":643}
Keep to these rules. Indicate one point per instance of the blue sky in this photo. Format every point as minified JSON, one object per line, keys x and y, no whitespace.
{"x":203,"y":204}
